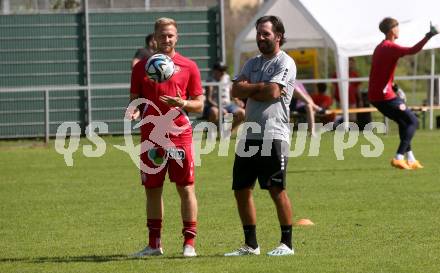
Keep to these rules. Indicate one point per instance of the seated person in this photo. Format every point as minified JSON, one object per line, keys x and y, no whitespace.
{"x":324,"y":101}
{"x":303,"y":104}
{"x":235,"y":106}
{"x":399,"y":92}
{"x":362,"y":119}
{"x":320,"y":97}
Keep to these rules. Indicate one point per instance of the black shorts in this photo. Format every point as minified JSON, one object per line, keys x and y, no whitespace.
{"x":393,"y":110}
{"x":269,"y":165}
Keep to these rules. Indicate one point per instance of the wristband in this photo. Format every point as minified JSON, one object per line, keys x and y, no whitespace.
{"x":185,"y":102}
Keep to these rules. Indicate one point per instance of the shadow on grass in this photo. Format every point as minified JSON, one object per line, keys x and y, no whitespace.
{"x":70,"y":259}
{"x":329,"y":170}
{"x":93,"y":259}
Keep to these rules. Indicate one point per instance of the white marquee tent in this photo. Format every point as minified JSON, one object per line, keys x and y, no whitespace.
{"x":349,"y":28}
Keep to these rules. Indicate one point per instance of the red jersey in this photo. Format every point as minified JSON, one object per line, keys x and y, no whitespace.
{"x":322,"y":100}
{"x":384,"y":64}
{"x":353,"y":88}
{"x":186,"y":80}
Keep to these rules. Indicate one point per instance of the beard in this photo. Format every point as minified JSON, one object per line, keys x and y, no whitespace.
{"x":166,"y":48}
{"x":266,"y":47}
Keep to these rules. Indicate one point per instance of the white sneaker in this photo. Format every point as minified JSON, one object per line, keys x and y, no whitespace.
{"x":281,"y":250}
{"x":189,"y":251}
{"x":148,"y":251}
{"x":243,"y":251}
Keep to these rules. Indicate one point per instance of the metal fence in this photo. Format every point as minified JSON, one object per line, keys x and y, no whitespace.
{"x":97,"y":47}
{"x":57,"y":67}
{"x":38,"y":112}
{"x":26,"y":6}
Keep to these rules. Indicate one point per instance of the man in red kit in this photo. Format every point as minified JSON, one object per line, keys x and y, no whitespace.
{"x":324,"y":101}
{"x":320,"y":97}
{"x":382,"y":96}
{"x":169,"y":140}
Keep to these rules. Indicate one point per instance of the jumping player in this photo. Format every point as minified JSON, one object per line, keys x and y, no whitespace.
{"x":183,"y":92}
{"x":382,"y":96}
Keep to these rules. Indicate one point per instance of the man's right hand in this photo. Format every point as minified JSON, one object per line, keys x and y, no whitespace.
{"x":132,"y":113}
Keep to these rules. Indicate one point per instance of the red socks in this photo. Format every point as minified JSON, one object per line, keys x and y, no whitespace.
{"x":154,"y":227}
{"x":189,"y":232}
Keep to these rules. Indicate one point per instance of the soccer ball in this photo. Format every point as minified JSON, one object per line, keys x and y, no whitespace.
{"x":159,"y":68}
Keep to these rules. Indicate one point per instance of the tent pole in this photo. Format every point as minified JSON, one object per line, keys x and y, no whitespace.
{"x":414,"y":85}
{"x":6,"y":7}
{"x":438,"y":91}
{"x":222,"y":30}
{"x":431,"y":92}
{"x":343,"y":81}
{"x":326,"y":62}
{"x":237,"y":55}
{"x":88,"y":63}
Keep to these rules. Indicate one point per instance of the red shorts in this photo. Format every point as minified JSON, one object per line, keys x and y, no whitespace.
{"x":178,"y":161}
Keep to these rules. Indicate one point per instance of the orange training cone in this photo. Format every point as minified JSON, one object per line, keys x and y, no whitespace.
{"x":304,"y":222}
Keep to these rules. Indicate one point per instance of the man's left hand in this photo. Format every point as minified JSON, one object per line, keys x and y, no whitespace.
{"x":173,"y":101}
{"x":433,"y":30}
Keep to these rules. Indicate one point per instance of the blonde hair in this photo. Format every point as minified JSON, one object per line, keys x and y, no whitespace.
{"x":164,"y":21}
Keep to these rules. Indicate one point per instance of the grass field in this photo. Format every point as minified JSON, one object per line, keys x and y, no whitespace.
{"x":87,"y":218}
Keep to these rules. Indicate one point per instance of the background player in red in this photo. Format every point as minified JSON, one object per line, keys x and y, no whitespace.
{"x":183,"y":92}
{"x":324,"y":101}
{"x":320,"y":97}
{"x":382,"y":96}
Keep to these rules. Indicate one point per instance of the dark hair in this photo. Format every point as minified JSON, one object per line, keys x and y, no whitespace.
{"x":387,"y":24}
{"x":220,"y":66}
{"x":322,"y":87}
{"x":149,"y":38}
{"x":277,"y":25}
